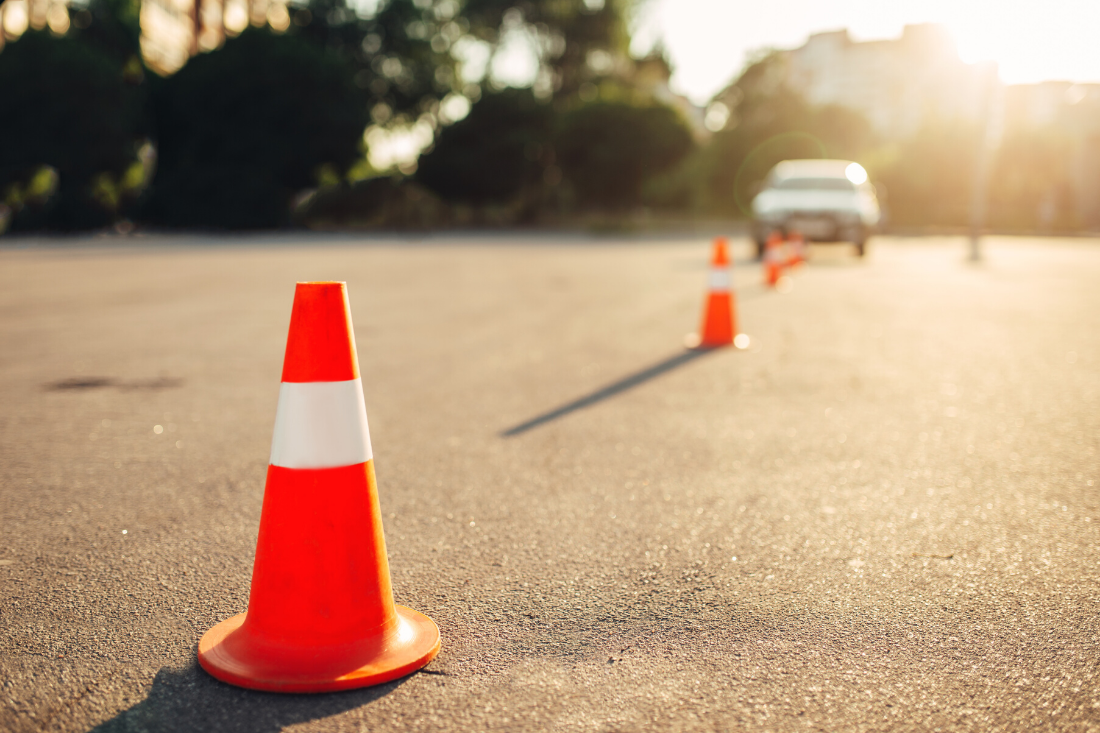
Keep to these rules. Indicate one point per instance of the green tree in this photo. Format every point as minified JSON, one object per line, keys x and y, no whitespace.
{"x":495,"y":154}
{"x":768,"y":122}
{"x":567,"y":33}
{"x":607,"y":150}
{"x":69,"y":107}
{"x":399,"y":54}
{"x":240,"y":130}
{"x":111,"y":26}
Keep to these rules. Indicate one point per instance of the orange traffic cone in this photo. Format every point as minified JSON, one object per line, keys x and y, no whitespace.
{"x":773,"y":259}
{"x":796,"y":249}
{"x":320,"y":614}
{"x":719,"y":317}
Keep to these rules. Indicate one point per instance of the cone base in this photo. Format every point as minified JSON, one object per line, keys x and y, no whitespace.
{"x":693,"y":342}
{"x":227,"y":653}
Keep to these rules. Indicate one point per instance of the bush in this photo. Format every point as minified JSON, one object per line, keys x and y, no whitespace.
{"x":383,"y":202}
{"x":607,"y":150}
{"x":494,"y":154}
{"x":67,"y":112}
{"x":242,"y":129}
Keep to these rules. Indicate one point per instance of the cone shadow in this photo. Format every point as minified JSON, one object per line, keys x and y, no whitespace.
{"x":632,"y":380}
{"x":190,"y":700}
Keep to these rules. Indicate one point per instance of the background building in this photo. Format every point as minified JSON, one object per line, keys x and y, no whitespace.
{"x":1047,"y":134}
{"x":899,"y":84}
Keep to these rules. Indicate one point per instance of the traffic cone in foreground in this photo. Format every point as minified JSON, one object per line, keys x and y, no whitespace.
{"x":719,"y":319}
{"x":773,"y":259}
{"x":320,"y":614}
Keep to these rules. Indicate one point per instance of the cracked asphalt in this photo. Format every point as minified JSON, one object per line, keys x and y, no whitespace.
{"x":883,"y":515}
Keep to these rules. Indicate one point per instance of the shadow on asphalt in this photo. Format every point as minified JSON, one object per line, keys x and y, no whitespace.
{"x":632,"y":380}
{"x":85,"y":383}
{"x":190,"y":700}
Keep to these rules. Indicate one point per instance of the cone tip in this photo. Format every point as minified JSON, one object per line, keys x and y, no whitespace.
{"x":320,"y":344}
{"x":720,"y":254}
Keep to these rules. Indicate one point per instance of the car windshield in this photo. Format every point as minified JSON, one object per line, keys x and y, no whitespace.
{"x":815,"y":184}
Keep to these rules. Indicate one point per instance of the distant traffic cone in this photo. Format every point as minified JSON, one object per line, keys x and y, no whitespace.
{"x":719,"y":316}
{"x":320,"y":614}
{"x":773,"y":258}
{"x":796,"y":249}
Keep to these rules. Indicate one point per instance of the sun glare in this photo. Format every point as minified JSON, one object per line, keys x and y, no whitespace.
{"x":709,"y":40}
{"x":1029,"y":41}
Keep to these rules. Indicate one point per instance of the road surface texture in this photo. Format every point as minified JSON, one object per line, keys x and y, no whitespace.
{"x":884,"y":515}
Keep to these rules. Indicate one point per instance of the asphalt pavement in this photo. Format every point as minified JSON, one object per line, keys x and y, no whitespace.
{"x":883,"y":515}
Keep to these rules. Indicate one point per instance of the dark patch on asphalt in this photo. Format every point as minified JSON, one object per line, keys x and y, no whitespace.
{"x":80,"y":383}
{"x":83,"y":383}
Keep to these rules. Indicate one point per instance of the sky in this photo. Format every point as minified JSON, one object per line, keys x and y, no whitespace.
{"x":1031,"y":40}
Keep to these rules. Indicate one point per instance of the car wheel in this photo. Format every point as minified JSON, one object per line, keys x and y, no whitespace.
{"x":857,"y":235}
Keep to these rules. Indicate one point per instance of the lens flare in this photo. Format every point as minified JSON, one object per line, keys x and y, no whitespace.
{"x":856,"y":173}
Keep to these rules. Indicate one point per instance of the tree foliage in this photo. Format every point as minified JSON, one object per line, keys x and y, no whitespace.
{"x":607,"y":150}
{"x":112,"y":27}
{"x":66,"y":105}
{"x":768,"y":122}
{"x":568,"y":32}
{"x":399,"y":55}
{"x":240,"y":130}
{"x":494,"y":154}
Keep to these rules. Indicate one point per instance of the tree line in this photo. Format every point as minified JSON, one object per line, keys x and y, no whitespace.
{"x":268,"y":130}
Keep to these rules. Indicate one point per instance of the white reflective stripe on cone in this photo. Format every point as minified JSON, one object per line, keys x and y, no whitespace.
{"x":719,"y":279}
{"x":320,"y":425}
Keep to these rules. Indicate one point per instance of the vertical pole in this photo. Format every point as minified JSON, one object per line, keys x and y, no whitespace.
{"x":980,"y":182}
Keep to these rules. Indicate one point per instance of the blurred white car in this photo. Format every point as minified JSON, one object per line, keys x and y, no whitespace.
{"x":823,"y":200}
